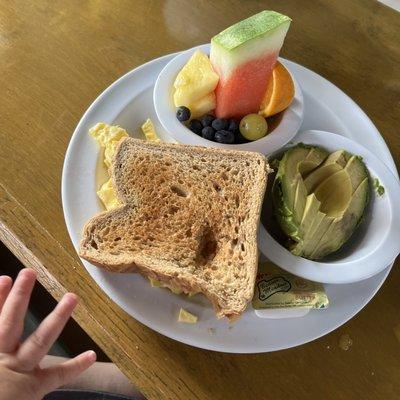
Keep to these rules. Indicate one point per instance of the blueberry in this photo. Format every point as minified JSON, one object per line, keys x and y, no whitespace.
{"x":220,"y":124}
{"x":195,"y":126}
{"x":183,"y":114}
{"x":233,"y":126}
{"x":207,"y":120}
{"x":208,"y":133}
{"x":226,"y":137}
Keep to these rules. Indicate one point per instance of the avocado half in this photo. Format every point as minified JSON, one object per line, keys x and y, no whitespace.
{"x":319,"y":198}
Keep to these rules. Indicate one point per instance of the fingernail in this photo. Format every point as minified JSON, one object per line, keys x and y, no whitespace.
{"x":92,"y":355}
{"x":28,"y":273}
{"x":72,"y":297}
{"x":4,"y":279}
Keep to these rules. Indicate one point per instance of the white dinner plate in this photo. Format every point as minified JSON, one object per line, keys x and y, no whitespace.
{"x":128,"y":102}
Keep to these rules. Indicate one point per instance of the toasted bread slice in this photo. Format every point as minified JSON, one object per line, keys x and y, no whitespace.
{"x":189,"y":219}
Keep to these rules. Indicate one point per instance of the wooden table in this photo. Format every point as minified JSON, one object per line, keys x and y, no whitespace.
{"x":56,"y":57}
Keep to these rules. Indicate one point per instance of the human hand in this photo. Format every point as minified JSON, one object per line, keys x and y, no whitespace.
{"x":20,"y":374}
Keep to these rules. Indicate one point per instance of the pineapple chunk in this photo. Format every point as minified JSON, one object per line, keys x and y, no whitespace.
{"x":195,"y":80}
{"x":203,"y":106}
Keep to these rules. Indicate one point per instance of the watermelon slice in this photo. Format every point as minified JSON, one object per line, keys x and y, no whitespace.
{"x":244,"y":56}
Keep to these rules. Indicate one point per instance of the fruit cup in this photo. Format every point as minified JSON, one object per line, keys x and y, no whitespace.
{"x":283,"y":129}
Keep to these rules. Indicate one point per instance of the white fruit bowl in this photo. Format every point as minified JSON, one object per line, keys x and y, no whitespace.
{"x":374,"y":244}
{"x":283,"y":132}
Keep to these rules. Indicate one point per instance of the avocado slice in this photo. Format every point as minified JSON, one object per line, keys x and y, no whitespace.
{"x":333,"y":163}
{"x":288,"y":190}
{"x":314,"y":238}
{"x":299,"y":205}
{"x":318,"y":228}
{"x":288,"y":172}
{"x":309,"y":222}
{"x":342,"y":228}
{"x":311,"y":209}
{"x":334,"y":193}
{"x":319,"y":199}
{"x":357,"y":171}
{"x":314,"y":158}
{"x":345,"y":224}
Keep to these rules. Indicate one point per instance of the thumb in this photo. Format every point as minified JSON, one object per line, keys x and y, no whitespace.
{"x":66,"y":372}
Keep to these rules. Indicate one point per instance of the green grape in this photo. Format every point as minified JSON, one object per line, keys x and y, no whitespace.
{"x":253,"y":126}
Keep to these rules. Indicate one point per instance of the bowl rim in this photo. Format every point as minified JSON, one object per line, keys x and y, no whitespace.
{"x":283,"y":133}
{"x":339,"y":272}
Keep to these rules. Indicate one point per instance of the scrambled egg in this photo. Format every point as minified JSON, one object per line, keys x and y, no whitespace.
{"x":108,"y":137}
{"x":107,"y":195}
{"x":149,"y":131}
{"x":155,"y":283}
{"x":186,"y":316}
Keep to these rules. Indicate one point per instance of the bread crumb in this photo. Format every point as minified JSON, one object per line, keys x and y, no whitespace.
{"x":137,"y":347}
{"x":211,"y":330}
{"x":345,"y":342}
{"x":186,"y":317}
{"x":328,"y":347}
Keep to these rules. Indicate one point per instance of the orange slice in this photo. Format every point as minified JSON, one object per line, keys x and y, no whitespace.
{"x":280,"y":92}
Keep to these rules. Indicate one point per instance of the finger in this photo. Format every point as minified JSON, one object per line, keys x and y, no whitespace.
{"x":31,"y":352}
{"x":62,"y":374}
{"x":5,"y":287}
{"x":14,"y":310}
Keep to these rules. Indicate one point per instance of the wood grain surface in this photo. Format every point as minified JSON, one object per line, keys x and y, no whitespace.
{"x":57,"y":56}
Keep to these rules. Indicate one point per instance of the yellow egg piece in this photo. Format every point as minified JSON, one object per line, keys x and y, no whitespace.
{"x":186,"y":317}
{"x":107,"y":195}
{"x":108,"y":137}
{"x":149,"y":131}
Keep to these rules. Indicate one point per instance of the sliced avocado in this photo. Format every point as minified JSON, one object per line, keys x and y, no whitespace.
{"x":314,"y":158}
{"x":342,"y":228}
{"x":338,"y":157}
{"x":319,"y":200}
{"x":310,"y":221}
{"x":299,"y":203}
{"x":334,"y":193}
{"x":357,"y":171}
{"x":333,"y":163}
{"x":289,"y":208}
{"x":319,"y":227}
{"x":310,"y":215}
{"x":288,"y":171}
